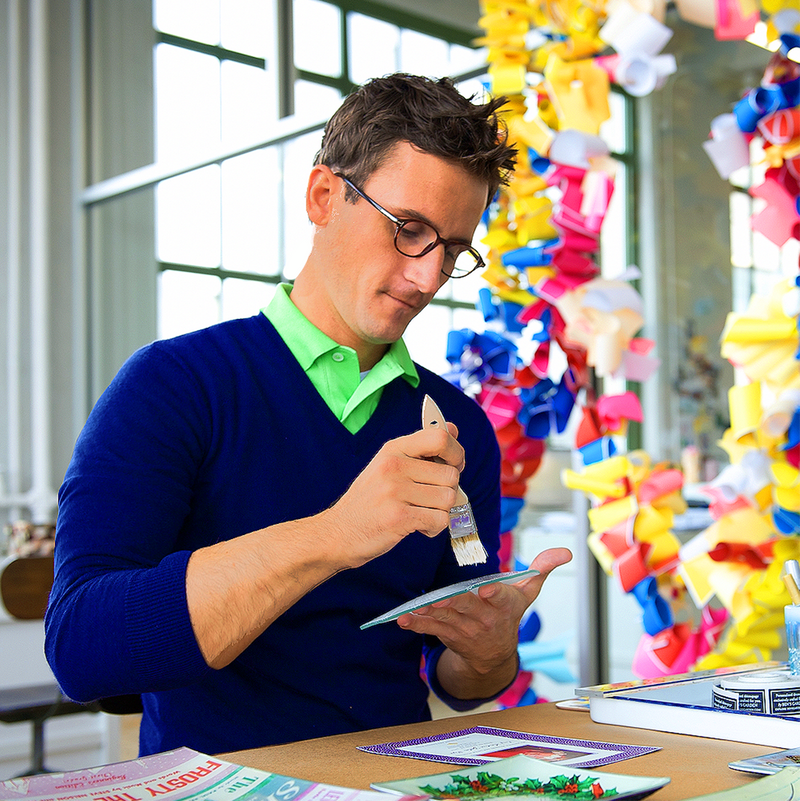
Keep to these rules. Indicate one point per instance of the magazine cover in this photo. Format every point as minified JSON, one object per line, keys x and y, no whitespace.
{"x":179,"y":775}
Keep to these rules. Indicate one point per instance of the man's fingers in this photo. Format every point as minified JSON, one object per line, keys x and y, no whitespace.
{"x":545,"y":563}
{"x":434,"y":444}
{"x":551,"y":559}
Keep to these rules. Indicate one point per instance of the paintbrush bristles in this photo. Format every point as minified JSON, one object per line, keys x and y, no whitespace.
{"x":468,"y":550}
{"x":467,"y":547}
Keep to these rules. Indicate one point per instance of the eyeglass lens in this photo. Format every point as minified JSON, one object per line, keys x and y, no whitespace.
{"x":415,"y":238}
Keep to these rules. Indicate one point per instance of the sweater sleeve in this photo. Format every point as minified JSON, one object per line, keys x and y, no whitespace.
{"x":117,"y":621}
{"x":458,"y":704}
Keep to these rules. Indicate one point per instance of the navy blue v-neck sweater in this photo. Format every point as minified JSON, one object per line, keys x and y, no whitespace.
{"x":207,"y":437}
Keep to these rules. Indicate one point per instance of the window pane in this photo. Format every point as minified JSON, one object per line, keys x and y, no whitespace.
{"x":315,"y":101}
{"x":464,"y":289}
{"x":298,"y":159}
{"x":245,"y":26}
{"x":191,"y":19}
{"x":790,"y":257}
{"x":242,"y":298}
{"x":766,"y":254}
{"x":374,"y":46}
{"x":421,"y":54}
{"x":741,"y":288}
{"x":248,"y":104}
{"x":186,"y":302}
{"x":122,"y":306}
{"x":250,"y":213}
{"x":475,"y":89}
{"x":612,"y":131}
{"x":741,"y":234}
{"x":187,"y":218}
{"x":466,"y":318}
{"x":317,"y":45}
{"x":426,"y":338}
{"x":463,"y":58}
{"x":613,"y":235}
{"x":187,"y":103}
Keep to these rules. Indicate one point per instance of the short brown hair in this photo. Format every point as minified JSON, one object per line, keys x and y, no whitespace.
{"x":431,"y":114}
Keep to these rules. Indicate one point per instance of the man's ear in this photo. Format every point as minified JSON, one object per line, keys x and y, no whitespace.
{"x":322,"y":188}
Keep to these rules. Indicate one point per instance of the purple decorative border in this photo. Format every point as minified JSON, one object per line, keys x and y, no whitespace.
{"x":620,"y":751}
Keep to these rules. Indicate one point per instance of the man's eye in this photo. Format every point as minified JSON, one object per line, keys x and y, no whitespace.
{"x":416,"y":234}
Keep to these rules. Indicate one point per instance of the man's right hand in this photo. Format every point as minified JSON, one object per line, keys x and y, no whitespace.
{"x":400,"y":491}
{"x":235,"y":589}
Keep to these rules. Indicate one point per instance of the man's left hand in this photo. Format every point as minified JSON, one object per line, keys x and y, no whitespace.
{"x":480,"y":630}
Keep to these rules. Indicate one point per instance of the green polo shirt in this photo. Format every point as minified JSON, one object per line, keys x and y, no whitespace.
{"x":333,"y":368}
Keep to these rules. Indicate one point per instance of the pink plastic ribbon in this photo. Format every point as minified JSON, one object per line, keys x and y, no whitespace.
{"x":659,"y":484}
{"x":613,"y":409}
{"x":677,"y":649}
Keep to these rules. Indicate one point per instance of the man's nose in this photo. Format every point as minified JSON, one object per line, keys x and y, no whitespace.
{"x":426,"y":271}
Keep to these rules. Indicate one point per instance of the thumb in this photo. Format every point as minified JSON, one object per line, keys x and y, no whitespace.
{"x":547,"y":561}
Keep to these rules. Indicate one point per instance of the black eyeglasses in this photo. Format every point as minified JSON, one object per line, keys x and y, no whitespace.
{"x":415,"y":238}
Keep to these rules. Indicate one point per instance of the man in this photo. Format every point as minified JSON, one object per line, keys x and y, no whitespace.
{"x":243,"y":498}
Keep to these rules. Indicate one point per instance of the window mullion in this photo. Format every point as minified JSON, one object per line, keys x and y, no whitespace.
{"x":217,"y":51}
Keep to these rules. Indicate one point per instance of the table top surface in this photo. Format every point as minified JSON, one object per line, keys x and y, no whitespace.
{"x":695,"y":765}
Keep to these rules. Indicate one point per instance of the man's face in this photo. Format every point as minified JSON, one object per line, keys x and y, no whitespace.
{"x":367,"y":292}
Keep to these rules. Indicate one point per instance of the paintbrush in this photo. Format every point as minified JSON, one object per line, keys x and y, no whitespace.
{"x":466,"y":544}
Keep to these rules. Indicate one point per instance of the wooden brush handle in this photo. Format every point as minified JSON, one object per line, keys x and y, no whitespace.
{"x":432,"y":417}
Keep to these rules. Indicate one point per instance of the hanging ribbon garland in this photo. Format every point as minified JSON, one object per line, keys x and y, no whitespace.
{"x":555,"y":62}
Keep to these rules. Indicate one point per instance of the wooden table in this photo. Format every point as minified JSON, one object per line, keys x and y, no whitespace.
{"x":696,"y":765}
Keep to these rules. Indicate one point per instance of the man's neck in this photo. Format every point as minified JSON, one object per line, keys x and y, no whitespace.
{"x":369,"y":353}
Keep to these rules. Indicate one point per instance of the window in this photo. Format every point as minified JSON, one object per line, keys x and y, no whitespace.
{"x":228,"y":232}
{"x":227,"y":169}
{"x":757,"y":263}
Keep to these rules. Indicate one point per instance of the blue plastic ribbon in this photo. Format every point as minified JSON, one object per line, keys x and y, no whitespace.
{"x":785,"y":521}
{"x":511,"y":311}
{"x":548,"y":658}
{"x":545,"y":406}
{"x":756,"y":104}
{"x":788,"y":41}
{"x":478,"y":357}
{"x":486,"y":305}
{"x":530,"y":627}
{"x":545,"y":318}
{"x":656,"y":612}
{"x":793,"y":432}
{"x":510,"y":509}
{"x":791,"y":91}
{"x":529,"y":256}
{"x":457,"y":343}
{"x":539,"y":164}
{"x":597,"y":450}
{"x":529,"y":698}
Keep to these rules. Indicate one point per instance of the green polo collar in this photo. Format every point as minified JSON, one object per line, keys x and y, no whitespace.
{"x":333,"y":368}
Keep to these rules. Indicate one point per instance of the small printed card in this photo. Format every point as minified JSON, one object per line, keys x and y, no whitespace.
{"x":481,"y":745}
{"x":522,"y":777}
{"x":470,"y":585}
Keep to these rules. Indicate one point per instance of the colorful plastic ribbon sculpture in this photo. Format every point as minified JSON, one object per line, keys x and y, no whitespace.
{"x":543,"y":234}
